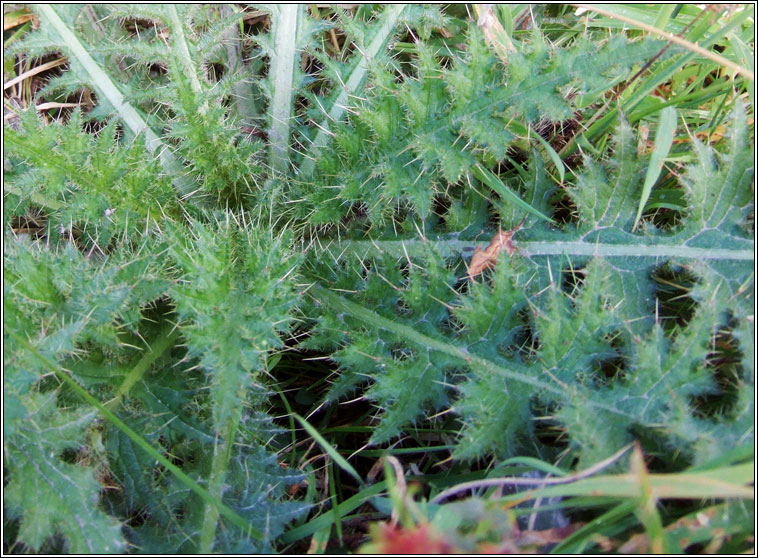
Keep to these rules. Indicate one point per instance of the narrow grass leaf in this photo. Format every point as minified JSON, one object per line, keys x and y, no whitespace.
{"x":725,"y":482}
{"x":664,"y":13}
{"x":319,"y":540}
{"x":647,"y":503}
{"x":696,"y":48}
{"x":574,"y":543}
{"x":328,"y":448}
{"x":497,"y":185}
{"x":164,"y":341}
{"x":537,"y":464}
{"x":664,"y":137}
{"x":554,"y":157}
{"x":325,"y":520}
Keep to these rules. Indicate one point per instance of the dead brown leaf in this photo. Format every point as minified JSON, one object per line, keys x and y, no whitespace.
{"x":487,"y":258}
{"x":19,"y":17}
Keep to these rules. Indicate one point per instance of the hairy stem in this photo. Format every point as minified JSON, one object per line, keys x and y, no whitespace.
{"x":282,"y":76}
{"x":222,"y":451}
{"x":648,"y":249}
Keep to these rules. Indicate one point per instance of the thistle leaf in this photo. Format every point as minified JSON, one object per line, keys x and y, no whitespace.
{"x":593,"y":354}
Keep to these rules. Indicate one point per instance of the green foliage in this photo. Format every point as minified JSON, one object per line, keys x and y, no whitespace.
{"x":65,"y":303}
{"x":207,"y":138}
{"x":88,"y":185}
{"x":420,"y":131}
{"x":50,"y":495}
{"x":257,"y":490}
{"x":89,"y":315}
{"x":234,"y":298}
{"x":517,"y":346}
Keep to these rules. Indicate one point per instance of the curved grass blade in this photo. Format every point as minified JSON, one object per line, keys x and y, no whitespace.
{"x":715,"y":57}
{"x":725,"y":482}
{"x":325,"y":520}
{"x":576,"y":541}
{"x":554,"y":157}
{"x":657,"y":77}
{"x":496,"y":184}
{"x":164,"y":342}
{"x":537,"y":464}
{"x":328,"y":448}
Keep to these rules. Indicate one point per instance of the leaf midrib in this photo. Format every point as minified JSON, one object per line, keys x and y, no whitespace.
{"x":647,"y":247}
{"x":341,"y":304}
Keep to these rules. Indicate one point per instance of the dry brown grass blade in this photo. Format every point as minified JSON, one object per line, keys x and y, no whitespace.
{"x":17,"y":18}
{"x":34,"y":71}
{"x":48,"y":106}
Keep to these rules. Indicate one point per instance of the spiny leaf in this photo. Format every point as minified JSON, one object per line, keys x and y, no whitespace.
{"x":56,"y":23}
{"x":378,"y":37}
{"x":234,"y":295}
{"x":583,"y":355}
{"x":57,"y":498}
{"x":95,"y":187}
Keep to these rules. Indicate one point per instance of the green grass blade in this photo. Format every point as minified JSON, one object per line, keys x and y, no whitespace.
{"x":291,"y":422}
{"x":537,"y":464}
{"x":725,"y":482}
{"x":328,"y":448}
{"x":694,"y":47}
{"x":657,"y":77}
{"x":335,"y":507}
{"x":740,"y":453}
{"x":575,"y":542}
{"x":664,"y":14}
{"x":647,"y":503}
{"x":554,"y":157}
{"x":320,"y":540}
{"x":165,"y":341}
{"x":497,"y":185}
{"x":664,"y":137}
{"x":325,"y":520}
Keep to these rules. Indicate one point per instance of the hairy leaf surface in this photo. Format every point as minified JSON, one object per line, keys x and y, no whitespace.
{"x":524,"y":342}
